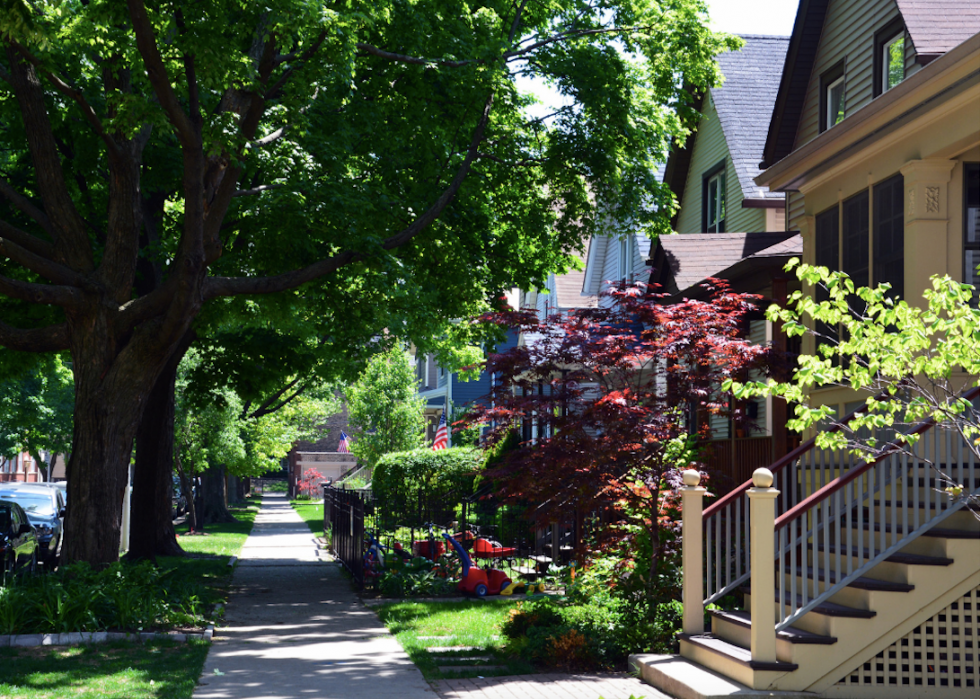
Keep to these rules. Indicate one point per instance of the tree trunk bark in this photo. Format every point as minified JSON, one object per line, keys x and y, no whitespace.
{"x":152,"y":532}
{"x":213,"y":498}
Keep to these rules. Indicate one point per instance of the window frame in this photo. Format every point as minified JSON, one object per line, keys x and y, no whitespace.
{"x":883,"y":38}
{"x":624,"y":253}
{"x":719,"y":172}
{"x":879,"y":218}
{"x":831,"y":77}
{"x":969,"y":272}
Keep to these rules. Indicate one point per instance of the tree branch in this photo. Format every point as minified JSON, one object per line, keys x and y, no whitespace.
{"x":156,"y":71}
{"x":264,"y":409}
{"x":26,"y":240}
{"x":53,"y":338}
{"x":47,"y":268}
{"x":64,"y":296}
{"x":415,"y":60}
{"x":75,"y":95}
{"x":257,"y":190}
{"x":232,"y":286}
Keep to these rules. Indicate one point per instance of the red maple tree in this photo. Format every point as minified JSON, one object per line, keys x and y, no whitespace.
{"x":610,"y":393}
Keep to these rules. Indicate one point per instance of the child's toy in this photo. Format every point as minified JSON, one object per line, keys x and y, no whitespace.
{"x":475,"y":581}
{"x":374,"y":561}
{"x":521,"y":586}
{"x":487,"y":548}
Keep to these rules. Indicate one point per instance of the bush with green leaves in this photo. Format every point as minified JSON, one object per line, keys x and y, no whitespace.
{"x":599,"y":630}
{"x":412,"y":487}
{"x":123,"y":596}
{"x":414,"y":583}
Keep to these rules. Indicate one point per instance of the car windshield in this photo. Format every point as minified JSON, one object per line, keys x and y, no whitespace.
{"x":33,"y":503}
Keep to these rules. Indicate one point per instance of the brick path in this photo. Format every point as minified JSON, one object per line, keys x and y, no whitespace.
{"x":547,"y":686}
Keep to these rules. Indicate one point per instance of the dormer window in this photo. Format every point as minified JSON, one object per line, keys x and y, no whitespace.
{"x":889,"y":58}
{"x":713,"y":204}
{"x":832,"y":97}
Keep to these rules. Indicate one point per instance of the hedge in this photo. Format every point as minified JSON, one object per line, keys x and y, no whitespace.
{"x":422,"y":485}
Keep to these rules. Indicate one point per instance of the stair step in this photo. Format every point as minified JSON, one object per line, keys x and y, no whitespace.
{"x":862,"y":583}
{"x":936,"y":532}
{"x":740,"y":655}
{"x":793,"y":635}
{"x":914,"y":559}
{"x":825,"y":608}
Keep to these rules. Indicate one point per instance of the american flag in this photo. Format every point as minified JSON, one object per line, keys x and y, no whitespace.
{"x":344,"y":446}
{"x":442,"y":434}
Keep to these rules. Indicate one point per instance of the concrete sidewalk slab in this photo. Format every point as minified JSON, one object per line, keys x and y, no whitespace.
{"x":293,"y":627}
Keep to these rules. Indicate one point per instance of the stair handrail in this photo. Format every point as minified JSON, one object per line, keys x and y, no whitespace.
{"x":786,"y":460}
{"x":894,"y":447}
{"x":822,"y":519}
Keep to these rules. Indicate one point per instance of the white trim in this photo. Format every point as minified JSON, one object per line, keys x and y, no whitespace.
{"x":590,"y":265}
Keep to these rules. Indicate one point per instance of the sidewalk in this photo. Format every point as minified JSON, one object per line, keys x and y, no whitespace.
{"x":294,"y":629}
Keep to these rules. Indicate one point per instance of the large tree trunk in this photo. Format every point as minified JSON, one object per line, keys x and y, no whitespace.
{"x":153,"y":532}
{"x":213,"y":497}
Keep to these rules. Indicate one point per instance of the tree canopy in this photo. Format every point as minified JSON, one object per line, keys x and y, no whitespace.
{"x":382,"y":405}
{"x":370,"y":162}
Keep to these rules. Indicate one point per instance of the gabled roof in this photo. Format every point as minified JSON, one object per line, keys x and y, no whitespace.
{"x":744,"y":105}
{"x":595,"y":261}
{"x":934,"y":26}
{"x":682,"y":261}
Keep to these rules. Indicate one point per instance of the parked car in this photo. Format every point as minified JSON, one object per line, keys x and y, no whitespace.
{"x":18,"y":541}
{"x":45,"y":508}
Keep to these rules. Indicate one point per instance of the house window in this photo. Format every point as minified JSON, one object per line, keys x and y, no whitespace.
{"x":832,"y":97}
{"x":889,"y":230}
{"x":713,"y":204}
{"x":827,"y":239}
{"x":889,"y":57}
{"x":855,"y":238}
{"x":971,"y":225}
{"x":624,"y":259}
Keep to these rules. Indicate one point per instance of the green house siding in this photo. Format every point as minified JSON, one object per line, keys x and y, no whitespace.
{"x":710,"y":149}
{"x":848,"y":35}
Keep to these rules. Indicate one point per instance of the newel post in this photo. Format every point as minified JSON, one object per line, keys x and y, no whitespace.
{"x":692,"y":543}
{"x":762,"y":516}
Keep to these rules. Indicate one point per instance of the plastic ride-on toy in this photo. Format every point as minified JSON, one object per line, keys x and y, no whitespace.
{"x":476,"y":581}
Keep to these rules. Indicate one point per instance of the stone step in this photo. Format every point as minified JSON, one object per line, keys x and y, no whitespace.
{"x":470,"y":668}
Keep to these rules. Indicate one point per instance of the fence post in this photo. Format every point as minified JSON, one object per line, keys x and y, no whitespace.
{"x":762,"y":517}
{"x":692,"y":530}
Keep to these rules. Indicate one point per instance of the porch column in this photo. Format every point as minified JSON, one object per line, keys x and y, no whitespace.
{"x":692,"y":573}
{"x":762,"y":517}
{"x":777,"y":406}
{"x":926,"y":225}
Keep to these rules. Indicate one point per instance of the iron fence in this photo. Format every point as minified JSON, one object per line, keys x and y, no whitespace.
{"x":343,"y":525}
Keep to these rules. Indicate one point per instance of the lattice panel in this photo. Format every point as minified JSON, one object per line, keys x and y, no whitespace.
{"x":942,"y":652}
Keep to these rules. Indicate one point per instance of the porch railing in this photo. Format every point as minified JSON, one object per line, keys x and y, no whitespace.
{"x":822,"y":495}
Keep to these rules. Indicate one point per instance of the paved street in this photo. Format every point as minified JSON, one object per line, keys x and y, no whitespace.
{"x":294,"y":629}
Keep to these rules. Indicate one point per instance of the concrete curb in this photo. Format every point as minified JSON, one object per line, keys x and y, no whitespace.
{"x":30,"y":640}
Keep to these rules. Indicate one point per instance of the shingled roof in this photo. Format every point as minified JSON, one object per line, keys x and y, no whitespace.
{"x":744,"y":104}
{"x":934,"y":26}
{"x":683,"y":260}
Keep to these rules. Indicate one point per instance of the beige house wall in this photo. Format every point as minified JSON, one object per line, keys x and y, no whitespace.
{"x":928,"y":149}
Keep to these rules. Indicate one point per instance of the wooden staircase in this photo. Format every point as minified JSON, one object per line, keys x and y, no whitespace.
{"x":865,"y":555}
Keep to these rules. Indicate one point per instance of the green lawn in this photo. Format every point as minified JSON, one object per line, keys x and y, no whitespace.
{"x":222,"y":539}
{"x":161,"y":669}
{"x":312,"y":514}
{"x":471,"y":623}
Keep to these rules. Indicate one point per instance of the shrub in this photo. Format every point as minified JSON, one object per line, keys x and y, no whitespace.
{"x":409,"y":486}
{"x":124,"y":596}
{"x":309,"y":484}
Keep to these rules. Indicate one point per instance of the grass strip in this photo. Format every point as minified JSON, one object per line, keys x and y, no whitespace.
{"x":474,"y":623}
{"x":161,"y":669}
{"x":225,"y":539}
{"x":312,"y":514}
